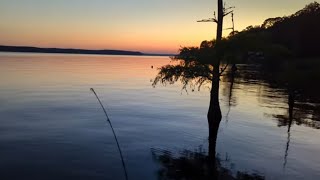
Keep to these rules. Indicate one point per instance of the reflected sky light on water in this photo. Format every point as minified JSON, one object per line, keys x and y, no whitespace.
{"x":51,"y":125}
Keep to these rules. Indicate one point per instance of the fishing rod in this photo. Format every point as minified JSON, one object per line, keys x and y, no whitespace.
{"x":114,"y":134}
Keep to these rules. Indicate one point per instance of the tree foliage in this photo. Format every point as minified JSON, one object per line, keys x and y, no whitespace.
{"x":189,"y":70}
{"x":275,"y":41}
{"x":298,"y":32}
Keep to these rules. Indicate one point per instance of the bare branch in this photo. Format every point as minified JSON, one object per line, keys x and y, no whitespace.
{"x":214,"y":19}
{"x":228,"y":8}
{"x":227,"y":13}
{"x":228,"y":29}
{"x":209,"y":20}
{"x":223,"y":69}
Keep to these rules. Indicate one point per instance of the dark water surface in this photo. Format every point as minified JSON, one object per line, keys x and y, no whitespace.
{"x":52,"y":127}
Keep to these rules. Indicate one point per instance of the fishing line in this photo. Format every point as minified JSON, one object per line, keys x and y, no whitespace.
{"x":114,"y":134}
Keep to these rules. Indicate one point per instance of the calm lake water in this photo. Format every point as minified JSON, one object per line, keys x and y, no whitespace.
{"x":52,"y":127}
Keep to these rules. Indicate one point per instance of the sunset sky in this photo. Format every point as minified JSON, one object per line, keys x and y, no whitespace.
{"x":153,"y":26}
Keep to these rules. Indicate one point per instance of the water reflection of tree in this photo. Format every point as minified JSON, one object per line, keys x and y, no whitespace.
{"x":295,"y":113}
{"x":285,"y":87}
{"x":195,"y":165}
{"x":229,"y":78}
{"x":302,"y":114}
{"x":278,"y":88}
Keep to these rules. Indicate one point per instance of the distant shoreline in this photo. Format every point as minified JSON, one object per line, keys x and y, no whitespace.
{"x":29,"y":49}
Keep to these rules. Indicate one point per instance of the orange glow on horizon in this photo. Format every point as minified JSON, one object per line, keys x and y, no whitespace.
{"x":158,"y":27}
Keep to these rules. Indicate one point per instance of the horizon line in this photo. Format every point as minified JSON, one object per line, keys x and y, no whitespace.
{"x":37,"y":49}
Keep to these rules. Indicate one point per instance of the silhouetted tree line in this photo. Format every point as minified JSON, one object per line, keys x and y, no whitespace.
{"x":298,"y":32}
{"x":277,"y":39}
{"x":278,"y":44}
{"x":285,"y":37}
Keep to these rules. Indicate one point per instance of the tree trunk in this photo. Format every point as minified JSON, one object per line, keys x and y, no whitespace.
{"x":214,"y":113}
{"x":214,"y":119}
{"x":220,"y":20}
